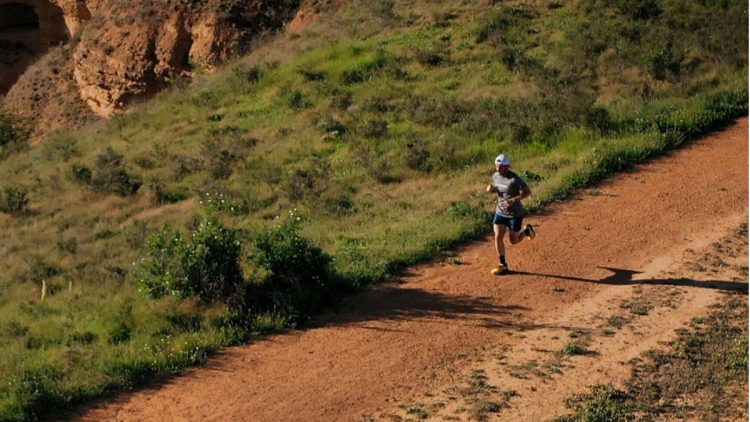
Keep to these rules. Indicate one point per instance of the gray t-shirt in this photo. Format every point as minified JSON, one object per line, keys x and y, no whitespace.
{"x":508,"y":187}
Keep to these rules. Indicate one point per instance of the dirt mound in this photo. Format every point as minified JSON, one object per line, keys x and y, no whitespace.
{"x":451,"y":338}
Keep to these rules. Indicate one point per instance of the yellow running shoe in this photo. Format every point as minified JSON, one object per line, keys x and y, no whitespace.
{"x":528,"y":230}
{"x":499,"y":269}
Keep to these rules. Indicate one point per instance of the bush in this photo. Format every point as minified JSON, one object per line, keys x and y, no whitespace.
{"x":297,"y":276}
{"x":169,"y":196}
{"x":417,"y":157}
{"x":13,"y":200}
{"x":207,"y":265}
{"x":296,"y":100}
{"x":40,"y":393}
{"x":639,"y":9}
{"x":12,"y":137}
{"x":80,"y":173}
{"x":429,"y":57}
{"x":663,"y":62}
{"x":250,"y":75}
{"x":223,"y":148}
{"x":309,"y":180}
{"x":111,"y":176}
{"x":312,"y":75}
{"x":373,"y":128}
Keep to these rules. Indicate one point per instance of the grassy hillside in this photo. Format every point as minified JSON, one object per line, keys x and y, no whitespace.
{"x":371,"y":135}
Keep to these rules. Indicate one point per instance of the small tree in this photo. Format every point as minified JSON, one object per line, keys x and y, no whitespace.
{"x":207,"y":265}
{"x":13,"y":200}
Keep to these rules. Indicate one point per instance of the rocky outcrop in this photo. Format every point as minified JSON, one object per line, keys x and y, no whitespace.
{"x":119,"y":51}
{"x":27,"y":29}
{"x":133,"y":50}
{"x":77,"y":13}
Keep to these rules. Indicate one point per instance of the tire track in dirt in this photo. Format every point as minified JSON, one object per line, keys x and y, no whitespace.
{"x":401,"y":340}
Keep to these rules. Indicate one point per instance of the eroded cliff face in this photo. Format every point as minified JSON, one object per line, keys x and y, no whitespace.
{"x":27,"y":29}
{"x":124,"y":55}
{"x":115,"y":52}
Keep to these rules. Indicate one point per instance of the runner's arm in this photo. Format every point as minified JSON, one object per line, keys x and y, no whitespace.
{"x":525,"y":193}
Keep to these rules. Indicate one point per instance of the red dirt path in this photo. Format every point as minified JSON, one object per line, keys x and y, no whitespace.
{"x":400,"y":340}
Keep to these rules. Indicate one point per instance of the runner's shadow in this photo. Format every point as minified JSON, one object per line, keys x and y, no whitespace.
{"x":378,"y":308}
{"x":399,"y":303}
{"x":623,"y":277}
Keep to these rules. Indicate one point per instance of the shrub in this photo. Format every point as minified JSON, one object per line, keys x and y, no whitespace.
{"x":12,"y":137}
{"x":13,"y":200}
{"x":296,"y":100}
{"x":639,"y":9}
{"x":333,"y":127}
{"x":341,"y":100}
{"x":39,"y":392}
{"x":662,"y":62}
{"x":297,"y":277}
{"x":417,"y":157}
{"x":354,"y":76}
{"x":207,"y":265}
{"x":309,"y":180}
{"x":169,"y":196}
{"x":373,"y":128}
{"x":598,"y":118}
{"x":111,"y":176}
{"x":312,"y":75}
{"x":39,"y":269}
{"x":337,"y":202}
{"x":573,"y":348}
{"x":249,"y":75}
{"x":182,"y":166}
{"x":80,"y":173}
{"x":220,"y":158}
{"x":429,"y":57}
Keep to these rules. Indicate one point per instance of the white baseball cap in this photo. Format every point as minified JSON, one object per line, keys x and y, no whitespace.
{"x":503,"y":160}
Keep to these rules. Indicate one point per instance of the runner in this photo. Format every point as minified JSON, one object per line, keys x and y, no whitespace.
{"x":510,"y":190}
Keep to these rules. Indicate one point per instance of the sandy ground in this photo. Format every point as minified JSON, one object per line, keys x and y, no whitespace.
{"x":614,"y":270}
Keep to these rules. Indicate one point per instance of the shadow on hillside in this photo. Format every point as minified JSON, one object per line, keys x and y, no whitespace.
{"x":622,"y":277}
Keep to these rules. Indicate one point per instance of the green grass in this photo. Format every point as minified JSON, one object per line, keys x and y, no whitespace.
{"x":573,"y":348}
{"x":382,"y":141}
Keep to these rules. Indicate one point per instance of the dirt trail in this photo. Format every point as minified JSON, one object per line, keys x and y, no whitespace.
{"x":449,"y":335}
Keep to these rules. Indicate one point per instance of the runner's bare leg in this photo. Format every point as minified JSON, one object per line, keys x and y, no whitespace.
{"x":516,"y":237}
{"x":499,"y":235}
